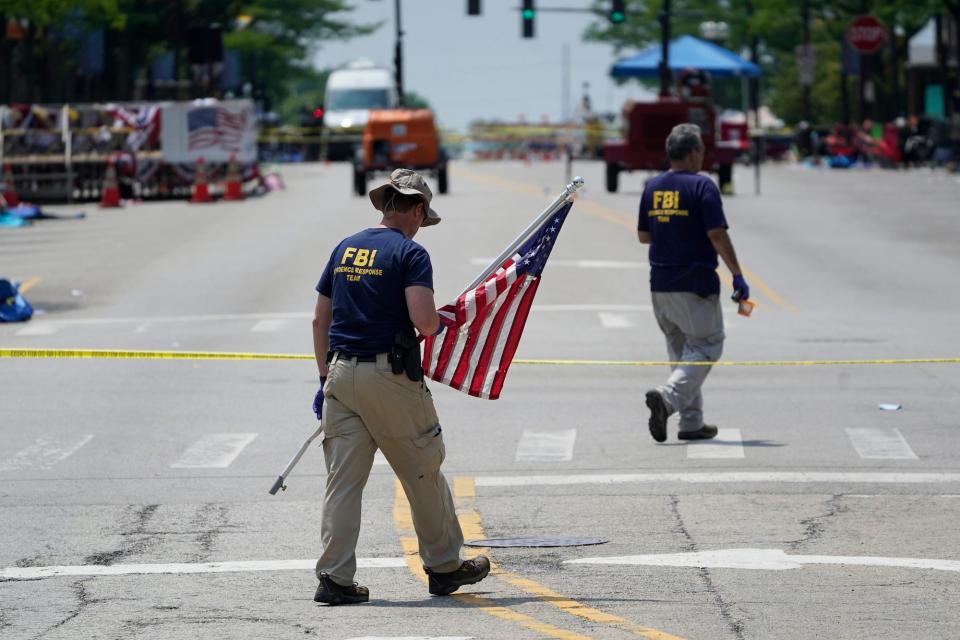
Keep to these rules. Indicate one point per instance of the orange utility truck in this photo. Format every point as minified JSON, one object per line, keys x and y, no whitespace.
{"x":399,"y":138}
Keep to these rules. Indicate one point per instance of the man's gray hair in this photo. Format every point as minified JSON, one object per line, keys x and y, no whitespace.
{"x":683,"y":139}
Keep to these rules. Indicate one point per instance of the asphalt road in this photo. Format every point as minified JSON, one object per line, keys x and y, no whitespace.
{"x":133,"y":493}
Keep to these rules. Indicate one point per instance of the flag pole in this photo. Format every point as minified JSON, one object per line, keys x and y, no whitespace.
{"x":568,"y":191}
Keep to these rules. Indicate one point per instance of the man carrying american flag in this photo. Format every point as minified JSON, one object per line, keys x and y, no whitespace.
{"x":377,"y":287}
{"x":485,"y":322}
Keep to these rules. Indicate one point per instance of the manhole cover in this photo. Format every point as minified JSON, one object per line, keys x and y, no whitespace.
{"x":535,"y":542}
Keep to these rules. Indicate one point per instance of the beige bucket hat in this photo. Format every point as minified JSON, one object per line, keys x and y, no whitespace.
{"x":408,"y":183}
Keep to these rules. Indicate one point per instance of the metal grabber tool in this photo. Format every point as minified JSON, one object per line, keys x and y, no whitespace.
{"x":279,"y":484}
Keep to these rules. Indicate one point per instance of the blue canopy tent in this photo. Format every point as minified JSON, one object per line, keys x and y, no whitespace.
{"x":686,"y":52}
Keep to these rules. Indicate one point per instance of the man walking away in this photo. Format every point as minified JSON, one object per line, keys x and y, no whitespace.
{"x":681,"y":218}
{"x":376,"y":288}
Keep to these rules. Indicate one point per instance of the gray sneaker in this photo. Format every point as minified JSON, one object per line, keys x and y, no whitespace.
{"x":470,"y":572}
{"x":706,"y":432}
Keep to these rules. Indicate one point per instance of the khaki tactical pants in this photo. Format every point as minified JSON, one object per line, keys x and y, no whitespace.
{"x":369,"y":407}
{"x":693,"y":327}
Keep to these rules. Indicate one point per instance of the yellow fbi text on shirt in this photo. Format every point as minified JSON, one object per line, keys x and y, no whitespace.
{"x":665,"y":205}
{"x":357,"y":262}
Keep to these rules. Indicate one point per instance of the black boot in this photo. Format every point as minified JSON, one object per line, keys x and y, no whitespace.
{"x":470,"y":572}
{"x":332,"y":593}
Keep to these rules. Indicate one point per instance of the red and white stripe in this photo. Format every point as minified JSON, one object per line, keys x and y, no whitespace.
{"x":473,"y":356}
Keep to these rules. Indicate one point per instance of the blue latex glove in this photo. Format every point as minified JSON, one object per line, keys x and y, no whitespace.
{"x":318,"y":400}
{"x":741,"y":291}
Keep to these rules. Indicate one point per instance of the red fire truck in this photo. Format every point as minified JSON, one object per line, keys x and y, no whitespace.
{"x":648,"y":124}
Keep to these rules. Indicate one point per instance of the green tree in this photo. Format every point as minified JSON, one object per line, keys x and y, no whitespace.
{"x":777,"y":25}
{"x":274,"y":37}
{"x":277,"y":41}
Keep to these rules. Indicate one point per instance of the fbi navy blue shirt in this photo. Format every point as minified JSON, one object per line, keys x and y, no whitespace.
{"x":365,"y":281}
{"x":678,"y":208}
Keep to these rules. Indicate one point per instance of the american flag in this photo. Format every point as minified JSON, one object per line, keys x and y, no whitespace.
{"x":215,"y":127}
{"x":484,"y":324}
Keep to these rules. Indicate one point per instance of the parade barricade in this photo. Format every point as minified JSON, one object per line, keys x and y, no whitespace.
{"x":60,"y":153}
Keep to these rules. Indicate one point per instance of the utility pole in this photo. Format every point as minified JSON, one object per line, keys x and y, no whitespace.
{"x":565,"y":92}
{"x":866,"y":86}
{"x":665,"y":49}
{"x":805,"y":18}
{"x":398,"y":57}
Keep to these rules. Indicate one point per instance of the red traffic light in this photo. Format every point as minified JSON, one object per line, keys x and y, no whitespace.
{"x":318,"y":113}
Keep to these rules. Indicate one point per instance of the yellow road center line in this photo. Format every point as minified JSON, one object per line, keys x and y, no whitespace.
{"x":465,"y":492}
{"x":464,"y":487}
{"x":403,"y":521}
{"x":93,"y":354}
{"x":603,"y":212}
{"x":29,"y":283}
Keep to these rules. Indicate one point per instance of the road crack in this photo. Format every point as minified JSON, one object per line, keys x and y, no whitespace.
{"x":813,"y":527}
{"x":726,"y":609}
{"x":140,"y":625}
{"x":136,"y":541}
{"x":210,"y":521}
{"x":83,"y":601}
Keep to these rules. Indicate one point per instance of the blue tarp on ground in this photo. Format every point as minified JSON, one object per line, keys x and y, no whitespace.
{"x":13,"y":306}
{"x":686,"y":52}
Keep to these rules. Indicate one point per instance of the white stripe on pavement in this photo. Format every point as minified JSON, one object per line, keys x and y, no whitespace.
{"x":214,"y":451}
{"x":591,"y":307}
{"x":297,"y":315}
{"x":581,"y":264}
{"x":44,"y":453}
{"x":38,"y":330}
{"x":881,"y":444}
{"x":412,"y":638}
{"x":731,"y":477}
{"x":31,"y":573}
{"x":379,"y":459}
{"x":727,"y":444}
{"x":614,"y":320}
{"x":764,"y":559}
{"x":267,"y":326}
{"x":546,"y":446}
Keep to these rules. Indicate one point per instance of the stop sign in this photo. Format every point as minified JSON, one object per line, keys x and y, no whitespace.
{"x":866,"y":34}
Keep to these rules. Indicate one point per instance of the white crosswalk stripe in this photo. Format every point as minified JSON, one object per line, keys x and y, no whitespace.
{"x":39,"y":330}
{"x":267,"y":326}
{"x":880,"y":444}
{"x":214,"y":451}
{"x":45,"y":452}
{"x":727,"y":444}
{"x":614,"y":320}
{"x":546,"y":446}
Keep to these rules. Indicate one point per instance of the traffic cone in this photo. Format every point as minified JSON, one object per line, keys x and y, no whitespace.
{"x":110,"y":197}
{"x":234,"y":189}
{"x":201,"y":190}
{"x":8,"y":187}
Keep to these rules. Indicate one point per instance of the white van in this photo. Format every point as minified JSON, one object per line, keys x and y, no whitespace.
{"x":352,"y":91}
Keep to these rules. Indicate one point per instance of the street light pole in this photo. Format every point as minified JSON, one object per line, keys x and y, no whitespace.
{"x":398,"y":57}
{"x":665,"y":49}
{"x":805,"y":18}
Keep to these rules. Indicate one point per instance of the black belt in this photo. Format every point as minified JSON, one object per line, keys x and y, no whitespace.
{"x":342,"y":355}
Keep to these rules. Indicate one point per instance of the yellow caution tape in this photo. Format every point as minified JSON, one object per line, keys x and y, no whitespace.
{"x":742,"y":363}
{"x":87,"y":354}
